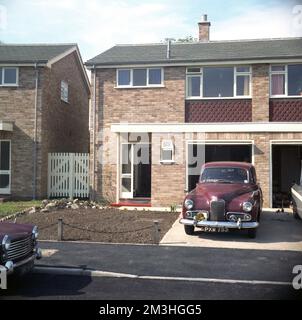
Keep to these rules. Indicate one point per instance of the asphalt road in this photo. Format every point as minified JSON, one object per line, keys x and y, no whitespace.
{"x":220,"y":265}
{"x":44,"y":286}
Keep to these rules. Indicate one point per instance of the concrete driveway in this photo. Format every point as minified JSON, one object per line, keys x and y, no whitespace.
{"x":277,"y":231}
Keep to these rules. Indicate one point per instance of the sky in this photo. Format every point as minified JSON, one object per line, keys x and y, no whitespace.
{"x":97,"y":25}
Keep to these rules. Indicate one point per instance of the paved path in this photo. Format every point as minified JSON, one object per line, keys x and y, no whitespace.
{"x":277,"y":231}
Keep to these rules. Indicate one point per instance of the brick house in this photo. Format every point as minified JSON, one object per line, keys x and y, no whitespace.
{"x":44,"y":104}
{"x":181,"y":104}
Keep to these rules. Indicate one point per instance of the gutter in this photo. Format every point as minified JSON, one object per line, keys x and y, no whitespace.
{"x":35,"y":135}
{"x":93,"y":134}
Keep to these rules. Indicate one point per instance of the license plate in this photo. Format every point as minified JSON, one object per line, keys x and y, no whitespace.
{"x":212,"y":229}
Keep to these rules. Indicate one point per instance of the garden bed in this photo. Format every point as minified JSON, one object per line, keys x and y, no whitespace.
{"x":101,"y":225}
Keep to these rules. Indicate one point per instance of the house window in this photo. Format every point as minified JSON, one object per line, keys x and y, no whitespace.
{"x":218,"y":82}
{"x":5,"y":167}
{"x":242,"y":81}
{"x":167,"y":151}
{"x":139,"y":77}
{"x":64,"y":91}
{"x":8,"y":76}
{"x":286,"y":80}
{"x":124,"y":77}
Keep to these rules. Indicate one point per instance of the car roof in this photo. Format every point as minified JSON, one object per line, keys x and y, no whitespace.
{"x":245,"y":165}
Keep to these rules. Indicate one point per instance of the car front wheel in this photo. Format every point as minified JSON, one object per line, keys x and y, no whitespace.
{"x":189,"y":230}
{"x":252,"y":233}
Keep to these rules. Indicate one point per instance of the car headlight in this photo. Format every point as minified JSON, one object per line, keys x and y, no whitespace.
{"x":247,"y":206}
{"x":189,"y":204}
{"x":6,"y":243}
{"x":35,"y":232}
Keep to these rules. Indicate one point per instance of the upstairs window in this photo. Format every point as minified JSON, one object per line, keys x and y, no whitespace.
{"x":8,"y":76}
{"x":218,"y":82}
{"x":286,"y":80}
{"x":139,"y":77}
{"x":64,"y":91}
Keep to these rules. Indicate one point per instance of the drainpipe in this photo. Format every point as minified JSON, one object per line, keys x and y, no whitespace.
{"x":94,"y":134}
{"x":35,"y":135}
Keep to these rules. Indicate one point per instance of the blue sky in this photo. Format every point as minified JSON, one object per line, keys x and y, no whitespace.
{"x":97,"y":25}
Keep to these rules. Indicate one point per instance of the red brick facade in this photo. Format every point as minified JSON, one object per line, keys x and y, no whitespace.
{"x":168,"y":104}
{"x":61,"y":127}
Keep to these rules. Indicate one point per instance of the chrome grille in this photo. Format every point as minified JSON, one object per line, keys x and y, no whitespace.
{"x":20,"y":248}
{"x":217,"y":210}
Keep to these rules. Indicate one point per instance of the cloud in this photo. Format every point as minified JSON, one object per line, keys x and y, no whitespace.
{"x":260,"y":22}
{"x":96,"y":25}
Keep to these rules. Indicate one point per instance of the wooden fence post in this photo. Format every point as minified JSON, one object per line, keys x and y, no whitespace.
{"x":71,"y":175}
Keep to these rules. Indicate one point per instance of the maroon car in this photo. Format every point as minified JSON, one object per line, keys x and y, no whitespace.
{"x":19,"y":247}
{"x":226,"y":197}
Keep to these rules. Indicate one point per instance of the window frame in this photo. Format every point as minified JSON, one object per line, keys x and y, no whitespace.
{"x":148,"y":85}
{"x":190,"y":74}
{"x":7,"y":172}
{"x":285,"y":72}
{"x":62,"y":98}
{"x":16,"y":84}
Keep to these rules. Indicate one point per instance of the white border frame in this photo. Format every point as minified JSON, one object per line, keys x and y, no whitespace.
{"x":216,"y":142}
{"x":131,"y":86}
{"x":7,"y":85}
{"x":285,"y":72}
{"x":119,"y":168}
{"x":271,"y":143}
{"x":235,"y":74}
{"x":9,"y":172}
{"x":228,"y":127}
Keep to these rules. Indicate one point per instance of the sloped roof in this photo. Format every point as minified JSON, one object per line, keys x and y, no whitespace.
{"x":200,"y":52}
{"x":31,"y":53}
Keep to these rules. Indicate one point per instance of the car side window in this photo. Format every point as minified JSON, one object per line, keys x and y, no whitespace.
{"x":253,"y":175}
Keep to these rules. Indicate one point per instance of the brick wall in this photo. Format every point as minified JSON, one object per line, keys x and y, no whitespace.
{"x":130,"y":105}
{"x":61,"y":127}
{"x":168,"y":181}
{"x":64,"y":126}
{"x":260,"y":93}
{"x":17,"y":105}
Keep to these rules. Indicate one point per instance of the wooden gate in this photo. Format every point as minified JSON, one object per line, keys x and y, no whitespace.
{"x":68,"y":175}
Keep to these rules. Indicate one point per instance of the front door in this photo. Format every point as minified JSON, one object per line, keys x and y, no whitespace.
{"x":127,"y":170}
{"x":135,"y":170}
{"x":5,"y":170}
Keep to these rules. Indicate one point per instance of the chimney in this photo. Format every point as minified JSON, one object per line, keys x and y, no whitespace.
{"x":204,"y":29}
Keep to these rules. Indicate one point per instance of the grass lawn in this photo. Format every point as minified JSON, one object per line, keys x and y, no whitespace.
{"x":11,"y":207}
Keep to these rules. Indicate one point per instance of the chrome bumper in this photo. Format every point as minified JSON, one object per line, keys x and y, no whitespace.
{"x":11,"y":266}
{"x":220,"y":224}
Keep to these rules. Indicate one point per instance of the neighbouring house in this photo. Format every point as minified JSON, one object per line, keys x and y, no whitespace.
{"x":44,"y":108}
{"x":180,"y":104}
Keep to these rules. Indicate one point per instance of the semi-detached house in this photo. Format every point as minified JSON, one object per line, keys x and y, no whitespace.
{"x":178,"y":103}
{"x":44,"y":106}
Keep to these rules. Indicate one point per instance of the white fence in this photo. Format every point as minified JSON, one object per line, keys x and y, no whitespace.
{"x":68,"y":175}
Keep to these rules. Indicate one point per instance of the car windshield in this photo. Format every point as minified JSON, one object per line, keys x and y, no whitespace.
{"x":224,"y":175}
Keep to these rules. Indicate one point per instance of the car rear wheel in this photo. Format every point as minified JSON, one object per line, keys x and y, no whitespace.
{"x":252,"y":233}
{"x":189,"y":230}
